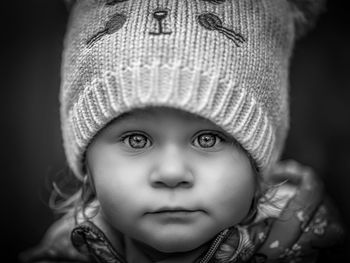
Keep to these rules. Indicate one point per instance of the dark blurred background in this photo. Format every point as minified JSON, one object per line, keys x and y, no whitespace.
{"x":32,"y":33}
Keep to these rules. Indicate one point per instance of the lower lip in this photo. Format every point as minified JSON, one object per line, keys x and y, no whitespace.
{"x":176,"y":215}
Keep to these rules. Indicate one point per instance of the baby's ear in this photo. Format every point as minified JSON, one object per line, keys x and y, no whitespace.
{"x":305,"y":13}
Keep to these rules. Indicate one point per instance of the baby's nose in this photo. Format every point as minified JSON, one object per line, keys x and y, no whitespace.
{"x":172,"y":170}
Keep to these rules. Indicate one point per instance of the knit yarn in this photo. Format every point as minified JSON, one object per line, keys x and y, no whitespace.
{"x":226,"y":61}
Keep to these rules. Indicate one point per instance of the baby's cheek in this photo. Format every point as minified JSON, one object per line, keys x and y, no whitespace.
{"x":232,"y":200}
{"x":111,"y":203}
{"x":117,"y":211}
{"x":233,"y":209}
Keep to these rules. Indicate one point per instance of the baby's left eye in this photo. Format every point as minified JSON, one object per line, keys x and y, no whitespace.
{"x":206,"y":140}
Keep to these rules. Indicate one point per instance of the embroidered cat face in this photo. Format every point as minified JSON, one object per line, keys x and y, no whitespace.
{"x":207,"y":20}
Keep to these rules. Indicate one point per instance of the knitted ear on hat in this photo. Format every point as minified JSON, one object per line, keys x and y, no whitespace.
{"x":305,"y":14}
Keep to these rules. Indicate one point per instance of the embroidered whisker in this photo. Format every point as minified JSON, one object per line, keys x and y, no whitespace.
{"x":213,"y":22}
{"x":115,"y":23}
{"x":96,"y":37}
{"x":236,"y":38}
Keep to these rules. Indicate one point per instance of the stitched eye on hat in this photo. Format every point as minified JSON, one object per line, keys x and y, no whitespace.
{"x":114,"y":2}
{"x":213,"y":22}
{"x":215,"y":2}
{"x":115,"y":23}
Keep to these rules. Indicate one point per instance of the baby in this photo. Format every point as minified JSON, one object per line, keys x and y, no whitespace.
{"x":174,"y":116}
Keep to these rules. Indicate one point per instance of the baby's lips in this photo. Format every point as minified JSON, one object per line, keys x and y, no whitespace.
{"x":175,"y":209}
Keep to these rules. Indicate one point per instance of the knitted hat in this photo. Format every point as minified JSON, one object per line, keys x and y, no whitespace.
{"x":225,"y":60}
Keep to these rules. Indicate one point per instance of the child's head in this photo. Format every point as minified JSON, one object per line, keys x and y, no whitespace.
{"x":171,"y":105}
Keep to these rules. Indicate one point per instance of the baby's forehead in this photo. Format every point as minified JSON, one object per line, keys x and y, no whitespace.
{"x":151,"y":113}
{"x":158,"y":115}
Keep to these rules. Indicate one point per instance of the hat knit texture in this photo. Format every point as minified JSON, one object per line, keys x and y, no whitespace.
{"x":226,"y":61}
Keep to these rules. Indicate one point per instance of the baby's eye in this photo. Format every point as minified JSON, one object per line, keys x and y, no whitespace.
{"x":206,"y":140}
{"x":136,"y":141}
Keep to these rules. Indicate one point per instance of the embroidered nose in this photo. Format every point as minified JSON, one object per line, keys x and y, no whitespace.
{"x":213,"y":22}
{"x":160,"y":15}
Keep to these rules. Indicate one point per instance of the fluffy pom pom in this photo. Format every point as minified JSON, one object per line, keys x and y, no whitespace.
{"x":305,"y":14}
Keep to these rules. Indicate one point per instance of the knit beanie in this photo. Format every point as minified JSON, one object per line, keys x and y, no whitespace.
{"x":224,"y":60}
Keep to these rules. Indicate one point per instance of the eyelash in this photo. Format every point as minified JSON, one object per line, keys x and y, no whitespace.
{"x":218,"y":138}
{"x":125,"y":138}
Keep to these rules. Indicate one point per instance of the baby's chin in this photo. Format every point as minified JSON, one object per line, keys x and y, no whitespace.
{"x":176,"y":238}
{"x":175,"y":244}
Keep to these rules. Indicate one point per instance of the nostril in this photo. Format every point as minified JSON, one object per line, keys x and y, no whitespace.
{"x":171,"y":179}
{"x":186,"y":184}
{"x":172,"y":185}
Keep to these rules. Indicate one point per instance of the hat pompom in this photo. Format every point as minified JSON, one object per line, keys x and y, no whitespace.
{"x":305,"y":14}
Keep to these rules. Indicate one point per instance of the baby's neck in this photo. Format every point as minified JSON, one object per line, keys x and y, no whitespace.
{"x":138,"y":252}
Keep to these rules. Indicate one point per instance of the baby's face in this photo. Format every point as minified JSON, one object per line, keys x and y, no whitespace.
{"x":169,"y":179}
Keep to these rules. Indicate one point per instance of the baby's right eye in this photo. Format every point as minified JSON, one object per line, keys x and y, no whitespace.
{"x":136,"y":140}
